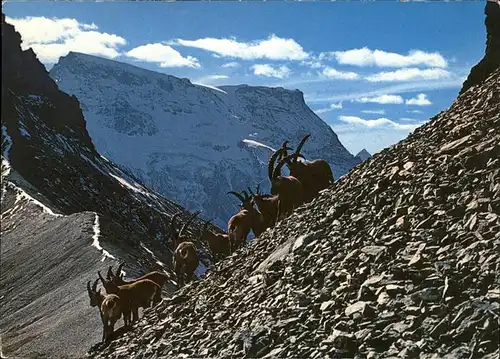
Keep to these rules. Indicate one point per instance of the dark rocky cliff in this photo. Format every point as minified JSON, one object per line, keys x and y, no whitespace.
{"x":491,"y":59}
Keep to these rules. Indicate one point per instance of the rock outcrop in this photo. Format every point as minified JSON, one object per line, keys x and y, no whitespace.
{"x":491,"y":59}
{"x":399,"y":258}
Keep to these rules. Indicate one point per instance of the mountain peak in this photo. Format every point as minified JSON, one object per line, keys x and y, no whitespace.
{"x":187,"y":141}
{"x":363,"y":155}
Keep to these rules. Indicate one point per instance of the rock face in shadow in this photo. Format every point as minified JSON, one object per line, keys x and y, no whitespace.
{"x":66,"y":213}
{"x":399,"y":258}
{"x":491,"y":59}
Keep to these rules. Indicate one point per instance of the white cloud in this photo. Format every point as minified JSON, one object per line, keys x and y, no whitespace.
{"x":379,"y":122}
{"x":312,"y":64}
{"x":332,"y":73}
{"x":271,"y":71}
{"x":382,"y":99}
{"x":454,"y":82}
{"x":162,"y":54}
{"x":51,"y":38}
{"x":367,"y":57}
{"x":231,"y":65}
{"x":409,"y":74}
{"x":333,"y":106}
{"x":374,"y":112}
{"x":272,"y":48}
{"x":420,"y":100}
{"x":210,"y":79}
{"x":414,"y":111}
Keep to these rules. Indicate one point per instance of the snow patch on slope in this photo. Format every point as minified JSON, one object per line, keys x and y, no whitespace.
{"x":23,"y":195}
{"x":253,"y":143}
{"x":6,"y":147}
{"x":96,"y":243}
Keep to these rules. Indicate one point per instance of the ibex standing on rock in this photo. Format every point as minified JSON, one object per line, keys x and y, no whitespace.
{"x":157,"y":277}
{"x":109,"y":309}
{"x":134,"y":295}
{"x":289,"y":189}
{"x":239,"y":225}
{"x":315,"y":175}
{"x":217,"y":242}
{"x":267,"y":205}
{"x":178,"y":237}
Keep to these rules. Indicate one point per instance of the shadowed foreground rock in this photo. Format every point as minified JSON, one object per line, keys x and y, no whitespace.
{"x":398,"y":259}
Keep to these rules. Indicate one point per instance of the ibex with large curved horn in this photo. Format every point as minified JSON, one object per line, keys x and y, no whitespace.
{"x":133,"y":296}
{"x":267,"y":205}
{"x":289,"y":189}
{"x":157,"y":277}
{"x":315,"y":175}
{"x":178,"y":237}
{"x":217,"y":242}
{"x":248,"y":218}
{"x":185,"y":261}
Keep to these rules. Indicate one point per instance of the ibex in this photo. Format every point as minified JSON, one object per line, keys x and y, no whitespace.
{"x":239,"y":225}
{"x":315,"y":175}
{"x":109,"y":309}
{"x":178,"y":237}
{"x":157,"y":277}
{"x":134,"y":295}
{"x":289,"y":189}
{"x":267,"y":205}
{"x":217,"y":242}
{"x":186,"y":260}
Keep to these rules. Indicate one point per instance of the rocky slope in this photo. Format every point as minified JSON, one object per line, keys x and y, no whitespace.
{"x":66,"y":212}
{"x":190,"y":142}
{"x":397,"y":259}
{"x":491,"y":59}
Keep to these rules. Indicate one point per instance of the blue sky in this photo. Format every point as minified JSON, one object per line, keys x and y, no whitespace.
{"x":373,"y":71}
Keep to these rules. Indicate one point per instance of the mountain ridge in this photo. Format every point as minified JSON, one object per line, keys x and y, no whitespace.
{"x":190,"y":142}
{"x":67,"y":212}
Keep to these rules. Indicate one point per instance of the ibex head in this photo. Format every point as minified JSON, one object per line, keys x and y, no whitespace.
{"x":176,"y":236}
{"x":94,"y":294}
{"x":244,"y":198}
{"x":294,"y":157}
{"x":275,"y":173}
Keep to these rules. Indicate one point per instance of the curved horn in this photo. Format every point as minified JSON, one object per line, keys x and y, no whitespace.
{"x":88,"y":288}
{"x":190,"y":219}
{"x":110,"y":273}
{"x":100,"y":277}
{"x":172,"y":225}
{"x":258,"y":189}
{"x":94,"y":286}
{"x":301,"y":144}
{"x":239,"y":196}
{"x":205,"y":226}
{"x":119,"y":270}
{"x":250,"y":191}
{"x":245,"y":194}
{"x":277,"y":171}
{"x":270,"y":165}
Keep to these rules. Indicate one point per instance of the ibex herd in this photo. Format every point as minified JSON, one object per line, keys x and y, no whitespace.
{"x":257,"y":213}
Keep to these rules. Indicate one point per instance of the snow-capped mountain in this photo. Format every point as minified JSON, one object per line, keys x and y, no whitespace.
{"x":191,"y":142}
